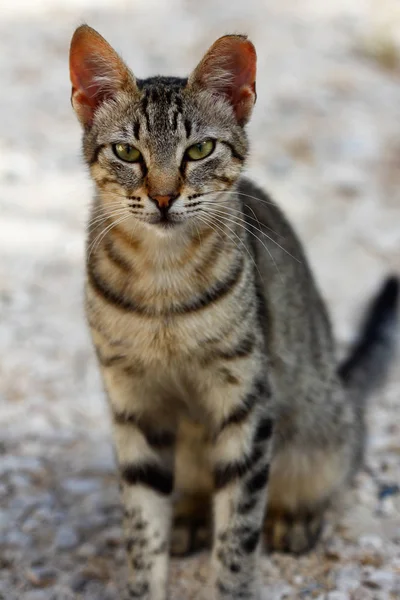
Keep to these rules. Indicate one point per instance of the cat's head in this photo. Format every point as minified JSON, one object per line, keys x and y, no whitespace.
{"x":161,"y":150}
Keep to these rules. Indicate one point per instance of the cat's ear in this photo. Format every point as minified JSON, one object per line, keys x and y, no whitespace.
{"x":229,"y":70}
{"x":97,"y":73}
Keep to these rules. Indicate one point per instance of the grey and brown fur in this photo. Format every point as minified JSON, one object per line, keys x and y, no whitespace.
{"x":213,"y":341}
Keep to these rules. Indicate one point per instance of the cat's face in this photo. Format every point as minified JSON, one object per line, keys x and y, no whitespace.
{"x":162,"y":150}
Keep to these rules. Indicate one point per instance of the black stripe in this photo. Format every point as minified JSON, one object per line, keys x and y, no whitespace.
{"x":221,"y":289}
{"x":161,"y":549}
{"x":155,"y":439}
{"x":140,"y":525}
{"x":125,"y":419}
{"x":226,"y":473}
{"x":244,"y":348}
{"x":223,"y":589}
{"x":93,"y":159}
{"x":188,"y":128}
{"x":143,"y":168}
{"x":168,"y":96}
{"x":235,"y":153}
{"x":139,"y":564}
{"x":262,"y":388}
{"x":136,"y":542}
{"x":108,"y":361}
{"x":154,"y":95}
{"x":241,"y":413}
{"x":179,"y":104}
{"x":224,"y":179}
{"x":115,"y":257}
{"x":216,"y":293}
{"x":145,"y":103}
{"x":258,"y":481}
{"x":149,"y":475}
{"x":175,"y":116}
{"x":228,"y":593}
{"x":160,"y":439}
{"x":134,"y":370}
{"x":105,"y":180}
{"x":264,"y":430}
{"x":97,"y":327}
{"x":109,"y":294}
{"x":182,"y":167}
{"x":178,"y":111}
{"x":136,"y":130}
{"x":210,"y":257}
{"x":138,"y":590}
{"x":245,"y":507}
{"x":250,"y":539}
{"x":161,"y":80}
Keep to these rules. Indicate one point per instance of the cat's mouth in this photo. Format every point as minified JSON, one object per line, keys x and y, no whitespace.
{"x":166,"y":224}
{"x":167,"y":221}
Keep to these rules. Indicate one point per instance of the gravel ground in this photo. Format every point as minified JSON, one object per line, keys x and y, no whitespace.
{"x":326,"y":143}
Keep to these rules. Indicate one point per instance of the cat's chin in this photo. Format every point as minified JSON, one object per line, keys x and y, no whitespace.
{"x":164,"y":227}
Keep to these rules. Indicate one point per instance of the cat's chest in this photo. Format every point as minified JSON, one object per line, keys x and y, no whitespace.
{"x":160,"y":340}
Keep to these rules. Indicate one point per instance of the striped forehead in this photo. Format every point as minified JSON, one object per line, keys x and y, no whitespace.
{"x":162,"y":106}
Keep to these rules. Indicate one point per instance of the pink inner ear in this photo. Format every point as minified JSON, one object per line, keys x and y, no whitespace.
{"x":229,"y":69}
{"x":244,"y":91}
{"x":96,"y":72}
{"x":83,"y":78}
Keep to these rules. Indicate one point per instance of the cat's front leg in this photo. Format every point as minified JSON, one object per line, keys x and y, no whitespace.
{"x":241,"y":468}
{"x":144,"y":449}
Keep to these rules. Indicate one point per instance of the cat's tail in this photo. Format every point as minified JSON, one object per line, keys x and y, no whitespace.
{"x":367,"y":365}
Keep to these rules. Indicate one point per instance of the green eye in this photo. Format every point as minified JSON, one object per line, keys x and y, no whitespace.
{"x":200,"y":150}
{"x":127,"y":152}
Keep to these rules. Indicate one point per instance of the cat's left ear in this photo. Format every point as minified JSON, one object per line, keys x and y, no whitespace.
{"x":229,"y":70}
{"x":97,"y":73}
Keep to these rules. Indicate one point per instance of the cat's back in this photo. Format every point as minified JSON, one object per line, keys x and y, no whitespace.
{"x":297,"y":326}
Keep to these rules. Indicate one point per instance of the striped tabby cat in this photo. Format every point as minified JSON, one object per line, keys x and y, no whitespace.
{"x":213,"y":341}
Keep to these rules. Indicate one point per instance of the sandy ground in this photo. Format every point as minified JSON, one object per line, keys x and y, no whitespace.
{"x":326,"y":143}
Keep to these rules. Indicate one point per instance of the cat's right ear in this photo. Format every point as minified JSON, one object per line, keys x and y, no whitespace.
{"x":97,"y":73}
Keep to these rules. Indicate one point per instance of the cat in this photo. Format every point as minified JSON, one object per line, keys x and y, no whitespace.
{"x":212,"y":338}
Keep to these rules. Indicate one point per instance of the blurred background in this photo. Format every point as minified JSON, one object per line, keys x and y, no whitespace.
{"x":325,"y":143}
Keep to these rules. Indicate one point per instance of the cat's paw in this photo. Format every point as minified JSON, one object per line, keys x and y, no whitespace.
{"x":189,"y":537}
{"x":295,"y":533}
{"x":191,"y":530}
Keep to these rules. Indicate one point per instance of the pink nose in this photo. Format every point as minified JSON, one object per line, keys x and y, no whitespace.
{"x":164,"y":201}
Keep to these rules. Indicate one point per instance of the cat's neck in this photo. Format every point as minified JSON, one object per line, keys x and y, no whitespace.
{"x":158,"y":249}
{"x":163,"y":269}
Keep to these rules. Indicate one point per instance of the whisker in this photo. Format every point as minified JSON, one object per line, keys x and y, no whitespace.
{"x":237,"y":193}
{"x":99,"y":220}
{"x":238,"y":210}
{"x":213,"y":225}
{"x":97,"y":241}
{"x":95,"y":210}
{"x":222,"y":216}
{"x":243,"y":244}
{"x":263,"y":233}
{"x":104,"y":213}
{"x":106,"y":204}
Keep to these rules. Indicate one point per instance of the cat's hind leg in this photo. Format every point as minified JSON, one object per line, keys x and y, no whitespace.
{"x":302,"y":483}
